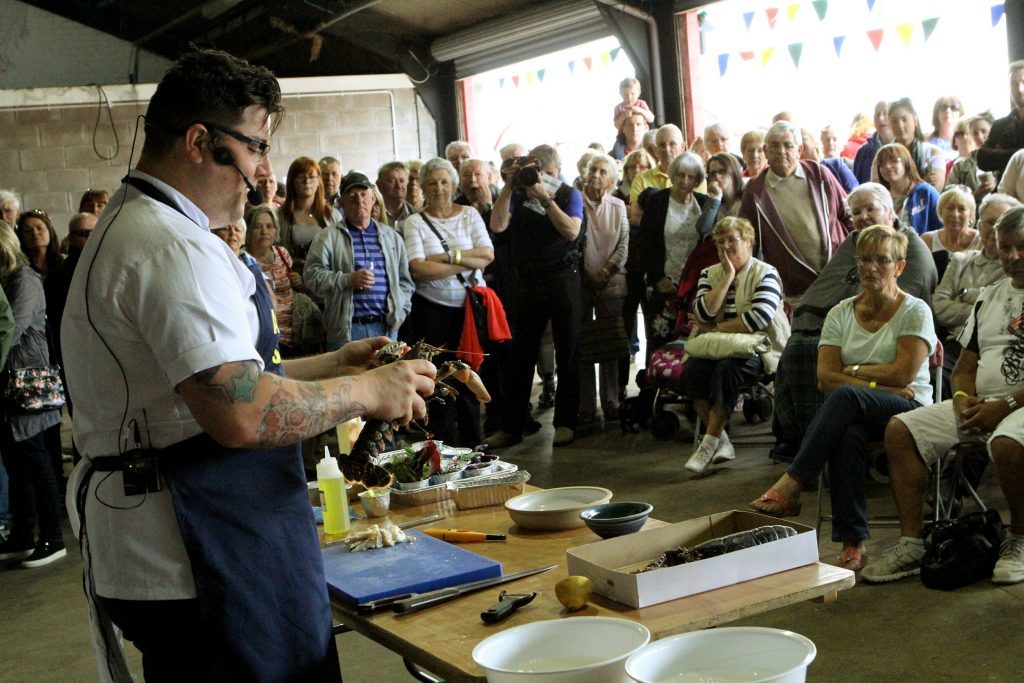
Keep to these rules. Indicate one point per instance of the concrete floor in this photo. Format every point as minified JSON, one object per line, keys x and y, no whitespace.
{"x":900,"y":631}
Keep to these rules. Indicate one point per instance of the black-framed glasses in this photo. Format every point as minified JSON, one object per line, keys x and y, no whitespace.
{"x":258,"y":147}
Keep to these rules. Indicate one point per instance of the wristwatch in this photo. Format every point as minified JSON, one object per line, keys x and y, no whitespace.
{"x":856,"y":370}
{"x":1012,"y":402}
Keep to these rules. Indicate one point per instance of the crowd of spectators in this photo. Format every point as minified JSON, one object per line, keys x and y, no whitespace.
{"x":833,"y":249}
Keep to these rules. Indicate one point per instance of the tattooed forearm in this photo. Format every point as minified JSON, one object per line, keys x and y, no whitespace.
{"x":297,"y":411}
{"x":236,"y":384}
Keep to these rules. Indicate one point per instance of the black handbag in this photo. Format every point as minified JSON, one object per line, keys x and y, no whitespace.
{"x":603,"y":340}
{"x":35,"y":390}
{"x":961,"y":551}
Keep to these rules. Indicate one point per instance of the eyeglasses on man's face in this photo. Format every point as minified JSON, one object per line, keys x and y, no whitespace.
{"x":258,"y":147}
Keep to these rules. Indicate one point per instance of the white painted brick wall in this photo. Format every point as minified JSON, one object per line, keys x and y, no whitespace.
{"x":47,"y":155}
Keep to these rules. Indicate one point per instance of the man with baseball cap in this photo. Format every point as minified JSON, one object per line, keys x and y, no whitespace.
{"x":361,"y":270}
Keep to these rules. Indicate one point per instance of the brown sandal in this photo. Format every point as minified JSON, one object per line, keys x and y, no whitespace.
{"x":775,"y":504}
{"x":852,"y":558}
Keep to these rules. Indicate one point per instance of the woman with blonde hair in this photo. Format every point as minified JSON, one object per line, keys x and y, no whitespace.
{"x":34,"y":490}
{"x":946,"y":113}
{"x":873,"y":364}
{"x":957,"y":210}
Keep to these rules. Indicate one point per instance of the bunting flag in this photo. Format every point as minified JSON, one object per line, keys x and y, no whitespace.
{"x":615,"y":52}
{"x":723,"y":63}
{"x":876,"y":37}
{"x":515,"y":81}
{"x":501,"y":82}
{"x":771,"y":13}
{"x":928,"y":25}
{"x":871,"y":5}
{"x":479,"y":88}
{"x":766,"y":55}
{"x":795,"y":50}
{"x":837,"y":43}
{"x":747,"y":56}
{"x":997,"y":13}
{"x":791,"y":11}
{"x":905,"y":32}
{"x":540,"y":74}
{"x":529,"y":78}
{"x":572,"y":65}
{"x":606,"y":58}
{"x":821,"y":7}
{"x":589,"y":61}
{"x":748,"y":18}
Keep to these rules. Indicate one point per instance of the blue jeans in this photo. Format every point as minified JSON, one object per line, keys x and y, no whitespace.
{"x":360,"y":331}
{"x":838,"y":436}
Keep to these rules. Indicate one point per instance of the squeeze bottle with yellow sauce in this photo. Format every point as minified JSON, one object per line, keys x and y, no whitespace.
{"x":333,"y":499}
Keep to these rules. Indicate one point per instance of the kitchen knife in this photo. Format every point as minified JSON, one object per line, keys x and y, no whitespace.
{"x":431,"y":598}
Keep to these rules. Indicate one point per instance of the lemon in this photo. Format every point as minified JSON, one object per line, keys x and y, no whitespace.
{"x":574,"y":592}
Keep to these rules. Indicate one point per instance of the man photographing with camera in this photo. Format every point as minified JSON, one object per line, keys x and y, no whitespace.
{"x":544,"y":218}
{"x":190,"y":501}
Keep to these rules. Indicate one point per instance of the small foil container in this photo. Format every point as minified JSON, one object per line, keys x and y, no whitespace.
{"x":375,"y":505}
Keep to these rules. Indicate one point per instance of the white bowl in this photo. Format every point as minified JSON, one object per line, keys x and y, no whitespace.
{"x":725,"y":655}
{"x":553,"y":509}
{"x":569,"y":650}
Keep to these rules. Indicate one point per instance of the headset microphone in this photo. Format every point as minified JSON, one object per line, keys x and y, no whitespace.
{"x":225,"y":158}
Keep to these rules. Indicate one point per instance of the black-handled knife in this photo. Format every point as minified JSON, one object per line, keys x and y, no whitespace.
{"x":431,"y":598}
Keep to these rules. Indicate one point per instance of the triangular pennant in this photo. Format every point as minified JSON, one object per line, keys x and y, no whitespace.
{"x":871,"y":5}
{"x":997,"y":13}
{"x":747,"y":55}
{"x":723,"y":63}
{"x":905,"y":32}
{"x":837,"y":43}
{"x":479,"y":88}
{"x":501,"y":82}
{"x":540,"y":74}
{"x":821,"y":7}
{"x":515,"y":81}
{"x":615,"y":52}
{"x":766,"y":55}
{"x":795,"y":50}
{"x":605,"y":59}
{"x":748,"y":18}
{"x":771,"y":13}
{"x":589,"y":61}
{"x":529,"y":78}
{"x":791,"y":11}
{"x":572,"y":65}
{"x":928,"y":25}
{"x":876,"y":37}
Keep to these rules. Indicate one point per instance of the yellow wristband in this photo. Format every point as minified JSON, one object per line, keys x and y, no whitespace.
{"x":872,"y":384}
{"x":458,"y":257}
{"x":961,"y":393}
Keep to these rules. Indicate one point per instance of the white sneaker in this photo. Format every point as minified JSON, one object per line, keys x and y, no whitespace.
{"x":701,"y":458}
{"x":903,"y":559}
{"x":725,"y":451}
{"x":1010,"y":566}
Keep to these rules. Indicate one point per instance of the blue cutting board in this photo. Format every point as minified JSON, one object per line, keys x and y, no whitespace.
{"x":426,"y":564}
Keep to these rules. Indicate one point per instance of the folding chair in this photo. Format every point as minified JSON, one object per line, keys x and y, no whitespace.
{"x":943,"y":506}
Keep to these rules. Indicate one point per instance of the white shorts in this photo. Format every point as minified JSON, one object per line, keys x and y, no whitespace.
{"x":933,"y":429}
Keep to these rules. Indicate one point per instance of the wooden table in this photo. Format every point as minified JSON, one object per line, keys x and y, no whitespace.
{"x":441,"y":639}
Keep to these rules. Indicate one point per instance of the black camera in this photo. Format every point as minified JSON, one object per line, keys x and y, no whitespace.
{"x":528,"y":174}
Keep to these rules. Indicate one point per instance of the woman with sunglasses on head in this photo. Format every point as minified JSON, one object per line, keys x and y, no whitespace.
{"x":873,"y":364}
{"x":39,"y":241}
{"x":304,"y":212}
{"x":34,"y":488}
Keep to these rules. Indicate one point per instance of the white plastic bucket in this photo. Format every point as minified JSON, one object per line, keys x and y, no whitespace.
{"x":724,"y":655}
{"x":569,"y":650}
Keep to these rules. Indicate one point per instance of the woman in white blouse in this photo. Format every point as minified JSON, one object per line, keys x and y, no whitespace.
{"x":438,"y":303}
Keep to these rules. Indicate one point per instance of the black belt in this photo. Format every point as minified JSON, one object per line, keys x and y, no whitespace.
{"x":107,"y":463}
{"x":367,"y":319}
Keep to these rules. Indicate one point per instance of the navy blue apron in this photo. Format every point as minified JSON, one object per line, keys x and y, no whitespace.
{"x":250,"y":535}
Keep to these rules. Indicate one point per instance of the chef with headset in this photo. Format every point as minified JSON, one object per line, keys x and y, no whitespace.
{"x":190,"y":502}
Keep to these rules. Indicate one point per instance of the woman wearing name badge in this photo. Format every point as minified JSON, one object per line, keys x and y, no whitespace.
{"x":915,"y":201}
{"x":873,"y":364}
{"x":445,"y":241}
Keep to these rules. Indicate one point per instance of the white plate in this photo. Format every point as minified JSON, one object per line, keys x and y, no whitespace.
{"x":553,"y":509}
